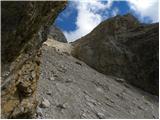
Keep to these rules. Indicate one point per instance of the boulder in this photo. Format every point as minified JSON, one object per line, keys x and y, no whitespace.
{"x":45,"y":103}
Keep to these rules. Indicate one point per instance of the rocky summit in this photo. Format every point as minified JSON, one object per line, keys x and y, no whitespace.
{"x":110,"y":73}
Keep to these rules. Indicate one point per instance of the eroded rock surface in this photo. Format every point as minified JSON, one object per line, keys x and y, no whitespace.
{"x":78,"y":91}
{"x":24,"y":28}
{"x":125,"y":48}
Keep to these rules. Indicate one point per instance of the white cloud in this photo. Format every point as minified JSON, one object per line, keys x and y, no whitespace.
{"x":145,"y":8}
{"x":89,"y":16}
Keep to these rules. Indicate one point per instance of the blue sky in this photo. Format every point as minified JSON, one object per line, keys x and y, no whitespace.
{"x":81,"y":17}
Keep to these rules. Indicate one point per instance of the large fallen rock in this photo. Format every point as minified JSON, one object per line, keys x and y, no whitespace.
{"x":24,"y":28}
{"x":123,"y":47}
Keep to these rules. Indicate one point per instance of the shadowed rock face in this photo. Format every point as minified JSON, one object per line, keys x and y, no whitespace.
{"x":56,"y":34}
{"x":24,"y":28}
{"x":123,"y":47}
{"x":21,"y":21}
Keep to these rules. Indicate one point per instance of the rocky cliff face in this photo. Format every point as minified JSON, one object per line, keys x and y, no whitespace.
{"x":123,"y":47}
{"x":24,"y":28}
{"x":56,"y":34}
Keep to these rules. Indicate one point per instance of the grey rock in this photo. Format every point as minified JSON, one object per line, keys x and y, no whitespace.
{"x":60,"y":106}
{"x":45,"y":103}
{"x":69,"y":80}
{"x":52,"y":79}
{"x":39,"y":113}
{"x":120,"y":80}
{"x":49,"y":92}
{"x":100,"y":115}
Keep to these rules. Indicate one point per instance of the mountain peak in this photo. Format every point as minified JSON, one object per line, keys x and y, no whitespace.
{"x":130,"y":17}
{"x":119,"y":24}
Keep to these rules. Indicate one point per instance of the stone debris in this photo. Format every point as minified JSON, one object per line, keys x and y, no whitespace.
{"x":60,"y":106}
{"x":39,"y":113}
{"x":49,"y":92}
{"x":91,"y":95}
{"x":69,"y":80}
{"x":52,"y":79}
{"x":100,"y":115}
{"x":77,"y":62}
{"x":120,"y":80}
{"x":45,"y":103}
